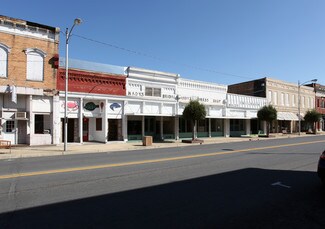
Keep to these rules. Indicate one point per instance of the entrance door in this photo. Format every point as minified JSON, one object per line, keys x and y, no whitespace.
{"x":22,"y":132}
{"x":112,"y":129}
{"x":70,"y":130}
{"x":85,"y":130}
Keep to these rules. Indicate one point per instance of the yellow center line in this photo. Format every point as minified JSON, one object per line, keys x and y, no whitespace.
{"x":105,"y":166}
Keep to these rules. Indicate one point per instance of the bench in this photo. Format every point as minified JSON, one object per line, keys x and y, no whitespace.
{"x":5,"y":144}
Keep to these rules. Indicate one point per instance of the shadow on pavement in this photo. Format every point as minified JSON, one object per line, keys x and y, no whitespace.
{"x":240,"y":199}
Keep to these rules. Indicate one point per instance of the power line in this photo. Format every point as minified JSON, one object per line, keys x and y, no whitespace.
{"x":160,"y":59}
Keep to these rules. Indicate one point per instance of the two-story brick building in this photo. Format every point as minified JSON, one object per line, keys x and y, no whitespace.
{"x":283,"y":96}
{"x":28,"y":53}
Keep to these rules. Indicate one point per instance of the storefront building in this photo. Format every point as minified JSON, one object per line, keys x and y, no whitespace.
{"x":28,"y":53}
{"x":284,"y":97}
{"x":95,"y":102}
{"x":241,"y":115}
{"x":213,"y":97}
{"x":150,"y":104}
{"x":320,"y":105}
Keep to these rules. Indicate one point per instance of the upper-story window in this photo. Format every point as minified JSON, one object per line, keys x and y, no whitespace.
{"x":286,"y":99}
{"x":293,"y":100}
{"x":150,"y":91}
{"x":270,"y":96}
{"x":275,"y":98}
{"x":282,"y":99}
{"x":35,"y":64}
{"x":4,"y":51}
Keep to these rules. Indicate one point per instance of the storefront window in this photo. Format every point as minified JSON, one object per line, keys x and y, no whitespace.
{"x":10,"y":126}
{"x":216,"y":125}
{"x":237,"y":125}
{"x":134,"y":127}
{"x":39,"y":124}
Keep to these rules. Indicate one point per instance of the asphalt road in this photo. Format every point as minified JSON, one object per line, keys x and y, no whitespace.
{"x":252,"y":184}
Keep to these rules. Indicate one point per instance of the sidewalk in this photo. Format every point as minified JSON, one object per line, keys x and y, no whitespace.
{"x":94,"y":147}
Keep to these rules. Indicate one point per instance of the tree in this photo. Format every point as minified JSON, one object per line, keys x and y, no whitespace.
{"x":194,"y":111}
{"x":268,"y":114}
{"x":311,"y":117}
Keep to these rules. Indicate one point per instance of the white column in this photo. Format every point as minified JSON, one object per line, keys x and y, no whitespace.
{"x":209,"y":127}
{"x":56,"y":130}
{"x":125,"y":127}
{"x":226,"y":128}
{"x":31,"y":121}
{"x":177,"y":128}
{"x":106,"y":124}
{"x":81,"y":116}
{"x":248,"y":126}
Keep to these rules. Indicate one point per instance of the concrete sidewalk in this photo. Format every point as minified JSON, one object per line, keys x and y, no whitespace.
{"x":94,"y":147}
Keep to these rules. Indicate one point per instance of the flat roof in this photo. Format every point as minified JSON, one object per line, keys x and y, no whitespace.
{"x":93,"y":66}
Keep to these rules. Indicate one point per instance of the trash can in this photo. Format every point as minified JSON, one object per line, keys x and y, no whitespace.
{"x":147,"y":140}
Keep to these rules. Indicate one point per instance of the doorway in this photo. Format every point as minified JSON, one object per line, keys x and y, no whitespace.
{"x":112,"y":130}
{"x":85,"y":130}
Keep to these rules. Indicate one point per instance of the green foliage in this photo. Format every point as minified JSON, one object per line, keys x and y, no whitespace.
{"x":312,"y":116}
{"x":194,"y":111}
{"x":267,"y":113}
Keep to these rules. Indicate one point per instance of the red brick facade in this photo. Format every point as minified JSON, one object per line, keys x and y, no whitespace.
{"x":92,"y":82}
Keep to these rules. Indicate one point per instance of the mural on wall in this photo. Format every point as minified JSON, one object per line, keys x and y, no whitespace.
{"x":71,"y":105}
{"x":114,"y":106}
{"x":91,"y":106}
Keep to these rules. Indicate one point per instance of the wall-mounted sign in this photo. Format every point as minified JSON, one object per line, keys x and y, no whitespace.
{"x":71,"y":105}
{"x":114,"y":106}
{"x":90,"y":106}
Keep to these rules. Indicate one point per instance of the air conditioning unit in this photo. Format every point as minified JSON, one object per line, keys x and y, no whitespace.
{"x":20,"y":115}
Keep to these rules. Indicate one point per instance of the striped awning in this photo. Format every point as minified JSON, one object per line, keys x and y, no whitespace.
{"x":288,"y":116}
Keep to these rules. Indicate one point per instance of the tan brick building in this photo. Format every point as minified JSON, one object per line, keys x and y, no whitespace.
{"x":28,"y":69}
{"x":283,"y":96}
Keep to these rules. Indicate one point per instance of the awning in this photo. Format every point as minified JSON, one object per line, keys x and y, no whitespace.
{"x":287,"y":116}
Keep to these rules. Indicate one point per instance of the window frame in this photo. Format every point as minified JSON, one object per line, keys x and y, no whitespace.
{"x":29,"y":64}
{"x":6,"y":50}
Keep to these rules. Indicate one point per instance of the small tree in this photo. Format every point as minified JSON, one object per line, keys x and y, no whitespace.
{"x":268,"y":114}
{"x":194,"y":111}
{"x":311,"y":117}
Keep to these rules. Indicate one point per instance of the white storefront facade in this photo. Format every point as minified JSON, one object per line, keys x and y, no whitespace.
{"x":150,"y":104}
{"x":213,"y":96}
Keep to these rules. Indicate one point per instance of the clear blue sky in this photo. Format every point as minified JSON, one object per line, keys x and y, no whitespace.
{"x":198,"y":39}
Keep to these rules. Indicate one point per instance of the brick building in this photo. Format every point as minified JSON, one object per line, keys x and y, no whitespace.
{"x":283,"y":96}
{"x":95,"y":102}
{"x":27,"y":80}
{"x":320,"y":104}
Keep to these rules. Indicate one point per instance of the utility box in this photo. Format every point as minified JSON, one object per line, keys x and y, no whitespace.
{"x":147,"y":140}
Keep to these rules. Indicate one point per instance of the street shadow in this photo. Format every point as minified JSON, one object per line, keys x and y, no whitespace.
{"x":247,"y":198}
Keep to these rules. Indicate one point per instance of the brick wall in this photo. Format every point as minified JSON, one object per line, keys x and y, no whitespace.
{"x":92,"y":82}
{"x":17,"y":61}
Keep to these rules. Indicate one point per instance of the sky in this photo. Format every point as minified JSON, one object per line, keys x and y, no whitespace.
{"x":219,"y":41}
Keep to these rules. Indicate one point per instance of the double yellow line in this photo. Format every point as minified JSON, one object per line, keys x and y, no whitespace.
{"x":106,"y":166}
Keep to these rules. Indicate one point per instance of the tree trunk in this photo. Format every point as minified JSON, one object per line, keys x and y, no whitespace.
{"x":268,"y":129}
{"x":194,"y":134}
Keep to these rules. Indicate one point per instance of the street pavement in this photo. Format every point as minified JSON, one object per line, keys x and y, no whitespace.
{"x":95,"y":147}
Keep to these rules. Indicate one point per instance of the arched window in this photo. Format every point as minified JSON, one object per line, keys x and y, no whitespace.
{"x":4,"y":51}
{"x":35,"y":64}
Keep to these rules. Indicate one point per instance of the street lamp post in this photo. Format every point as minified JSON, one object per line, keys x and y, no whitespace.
{"x":299,"y":101}
{"x":77,"y":21}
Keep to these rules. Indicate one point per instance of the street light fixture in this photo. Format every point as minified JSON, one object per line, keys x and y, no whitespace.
{"x":77,"y":21}
{"x":299,"y":101}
